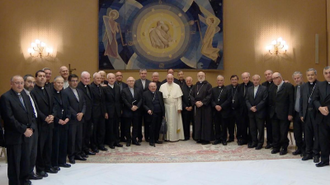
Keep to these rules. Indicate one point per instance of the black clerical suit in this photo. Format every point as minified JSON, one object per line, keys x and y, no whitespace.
{"x":87,"y":124}
{"x":187,"y":116}
{"x":98,"y":116}
{"x":2,"y":140}
{"x":243,"y":134}
{"x":131,"y":117}
{"x":280,"y":107}
{"x":76,"y":105}
{"x":138,"y":84}
{"x":234,"y":112}
{"x":17,"y":118}
{"x":44,"y":99}
{"x":268,"y":120}
{"x":321,"y":98}
{"x":298,"y":124}
{"x":122,"y":85}
{"x":60,"y":132}
{"x":113,"y":108}
{"x":257,"y":119}
{"x":221,"y":96}
{"x":310,"y":145}
{"x":154,"y":101}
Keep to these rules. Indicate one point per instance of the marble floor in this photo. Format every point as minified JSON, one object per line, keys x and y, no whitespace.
{"x":270,"y":172}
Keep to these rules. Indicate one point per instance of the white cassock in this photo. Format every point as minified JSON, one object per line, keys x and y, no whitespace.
{"x":173,"y":102}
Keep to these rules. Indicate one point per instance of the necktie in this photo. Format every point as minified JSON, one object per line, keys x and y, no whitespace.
{"x":33,"y":106}
{"x":296,"y":106}
{"x":87,"y":90}
{"x":21,"y":99}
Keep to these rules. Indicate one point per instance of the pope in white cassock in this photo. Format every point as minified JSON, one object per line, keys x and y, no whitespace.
{"x":173,"y":105}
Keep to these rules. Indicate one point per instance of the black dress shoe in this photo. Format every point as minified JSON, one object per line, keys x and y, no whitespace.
{"x":79,"y":157}
{"x":118,"y":145}
{"x":252,"y":145}
{"x":34,"y":177}
{"x":83,"y":155}
{"x":147,"y":140}
{"x":199,"y":141}
{"x":65,"y":165}
{"x":259,"y":147}
{"x":152,"y":144}
{"x":128,"y":143}
{"x":268,"y":146}
{"x":230,"y":140}
{"x":89,"y":153}
{"x":316,"y":159}
{"x":275,"y":151}
{"x":27,"y":182}
{"x":57,"y":168}
{"x":71,"y":160}
{"x":111,"y":146}
{"x":242,"y":142}
{"x":51,"y":170}
{"x":297,"y":152}
{"x":102,"y":148}
{"x":283,"y":151}
{"x":205,"y":142}
{"x":42,"y":174}
{"x":136,"y":143}
{"x":321,"y":164}
{"x":123,"y":140}
{"x":216,"y":142}
{"x":140,"y":140}
{"x":307,"y":157}
{"x":95,"y":150}
{"x":224,"y":142}
{"x":159,"y":142}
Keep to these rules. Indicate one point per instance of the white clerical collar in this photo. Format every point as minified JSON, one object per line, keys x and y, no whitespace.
{"x":329,"y":83}
{"x":111,"y":85}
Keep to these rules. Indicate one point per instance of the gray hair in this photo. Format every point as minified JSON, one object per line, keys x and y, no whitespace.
{"x":58,"y":77}
{"x":84,"y":73}
{"x":27,"y":76}
{"x":94,"y":75}
{"x":297,"y":73}
{"x":141,"y":70}
{"x":110,"y":74}
{"x":155,"y":73}
{"x":312,"y":69}
{"x":220,"y":76}
{"x":326,"y":68}
{"x":256,"y":75}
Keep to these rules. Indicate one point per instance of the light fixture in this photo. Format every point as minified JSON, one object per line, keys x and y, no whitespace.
{"x":277,"y":47}
{"x":38,"y":49}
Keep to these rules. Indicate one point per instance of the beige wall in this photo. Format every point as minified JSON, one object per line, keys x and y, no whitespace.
{"x":70,"y":26}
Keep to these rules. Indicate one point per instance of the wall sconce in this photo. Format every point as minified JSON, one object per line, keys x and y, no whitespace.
{"x":38,"y":49}
{"x":278,"y":46}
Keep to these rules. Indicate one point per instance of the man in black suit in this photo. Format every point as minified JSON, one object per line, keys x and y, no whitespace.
{"x":187,"y":108}
{"x":122,"y":85}
{"x":234,"y":112}
{"x":321,"y":99}
{"x":44,"y":99}
{"x":307,"y":115}
{"x":171,"y":71}
{"x":48,"y":73}
{"x":298,"y":124}
{"x":256,"y":99}
{"x":19,"y":123}
{"x":61,"y":119}
{"x":104,"y":81}
{"x":132,"y":102}
{"x":113,"y":111}
{"x":83,"y":85}
{"x":153,"y":104}
{"x":243,"y":136}
{"x":29,"y":82}
{"x":98,"y":114}
{"x":281,"y":107}
{"x":2,"y":140}
{"x":77,"y":107}
{"x":155,"y":78}
{"x":181,"y":80}
{"x":221,"y":108}
{"x":143,"y":84}
{"x":269,"y":82}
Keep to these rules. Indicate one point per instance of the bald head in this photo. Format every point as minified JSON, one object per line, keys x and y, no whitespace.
{"x":201,"y":76}
{"x":111,"y":78}
{"x":277,"y":78}
{"x":246,"y":77}
{"x":64,"y":72}
{"x":130,"y":82}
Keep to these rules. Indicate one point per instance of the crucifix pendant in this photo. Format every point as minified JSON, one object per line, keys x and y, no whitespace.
{"x":197,"y":93}
{"x":233,"y":101}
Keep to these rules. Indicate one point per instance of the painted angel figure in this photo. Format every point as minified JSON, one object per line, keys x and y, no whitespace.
{"x":212,"y":28}
{"x":159,"y":36}
{"x":111,"y":29}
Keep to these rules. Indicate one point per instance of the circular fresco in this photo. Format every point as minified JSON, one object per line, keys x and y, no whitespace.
{"x":160,"y":34}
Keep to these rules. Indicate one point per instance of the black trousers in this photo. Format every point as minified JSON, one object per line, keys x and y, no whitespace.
{"x":325,"y":138}
{"x":187,"y":118}
{"x":298,"y":130}
{"x":34,"y":150}
{"x":269,"y":129}
{"x":112,"y":132}
{"x":122,"y":128}
{"x":75,"y":138}
{"x":257,"y":130}
{"x":99,"y":130}
{"x":154,"y":126}
{"x":233,"y":119}
{"x":18,"y":158}
{"x":60,"y":144}
{"x":312,"y":139}
{"x":87,"y":134}
{"x":146,"y":127}
{"x":131,"y":121}
{"x":220,"y":126}
{"x":44,"y":147}
{"x":242,"y":123}
{"x":280,"y":133}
